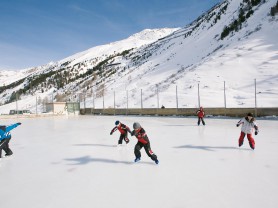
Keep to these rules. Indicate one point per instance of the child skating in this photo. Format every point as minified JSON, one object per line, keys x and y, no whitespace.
{"x":123,"y":129}
{"x":143,"y":141}
{"x":5,"y":137}
{"x":201,"y":114}
{"x":248,"y":124}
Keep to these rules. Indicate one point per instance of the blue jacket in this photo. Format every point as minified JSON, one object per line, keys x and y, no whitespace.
{"x":5,"y":131}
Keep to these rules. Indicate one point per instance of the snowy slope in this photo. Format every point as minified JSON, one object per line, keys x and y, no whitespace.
{"x":202,"y":57}
{"x":144,"y":37}
{"x":185,"y":59}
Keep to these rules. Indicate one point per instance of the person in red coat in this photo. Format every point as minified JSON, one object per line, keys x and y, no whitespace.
{"x":143,"y":141}
{"x":201,"y":114}
{"x":123,"y":129}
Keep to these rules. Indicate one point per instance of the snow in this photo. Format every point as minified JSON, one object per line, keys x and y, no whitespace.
{"x":74,"y":162}
{"x":137,"y":40}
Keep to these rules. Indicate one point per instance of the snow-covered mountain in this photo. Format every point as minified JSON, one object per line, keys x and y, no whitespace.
{"x":234,"y":44}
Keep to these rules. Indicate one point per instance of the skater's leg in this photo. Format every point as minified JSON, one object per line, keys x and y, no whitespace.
{"x":2,"y":145}
{"x":149,"y":152}
{"x":137,"y":149}
{"x":203,"y":122}
{"x":125,"y":138}
{"x":122,"y":136}
{"x":241,"y":139}
{"x":199,"y":120}
{"x":6,"y":147}
{"x":251,"y":141}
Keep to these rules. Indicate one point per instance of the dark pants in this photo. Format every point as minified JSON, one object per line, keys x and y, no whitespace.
{"x":147,"y":148}
{"x":201,"y":119}
{"x":4,"y":145}
{"x":123,"y":137}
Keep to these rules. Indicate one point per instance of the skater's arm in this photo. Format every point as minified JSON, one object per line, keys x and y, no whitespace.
{"x":128,"y":129}
{"x":239,"y":122}
{"x":132,"y":133}
{"x":113,"y":130}
{"x":256,"y":129}
{"x":11,"y":127}
{"x":1,"y":134}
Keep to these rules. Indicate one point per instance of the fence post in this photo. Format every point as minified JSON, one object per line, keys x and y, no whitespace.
{"x":103,"y":101}
{"x":84,"y":99}
{"x":127,"y":102}
{"x":177,"y":97}
{"x":157,"y":96}
{"x":16,"y":98}
{"x":93,"y":100}
{"x":255,"y":97}
{"x":225,"y":94}
{"x":36,"y":105}
{"x":114,"y":103}
{"x":225,"y":97}
{"x":141,"y":100}
{"x":199,"y":102}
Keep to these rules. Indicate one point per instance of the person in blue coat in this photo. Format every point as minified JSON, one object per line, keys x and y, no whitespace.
{"x":5,"y":137}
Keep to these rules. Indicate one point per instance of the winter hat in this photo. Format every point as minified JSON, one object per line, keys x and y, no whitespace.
{"x":250,"y":114}
{"x":117,"y":123}
{"x":3,"y":128}
{"x":136,"y":125}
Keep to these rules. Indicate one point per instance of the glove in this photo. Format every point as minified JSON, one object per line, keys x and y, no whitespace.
{"x":237,"y":125}
{"x":18,"y":123}
{"x":256,"y":133}
{"x":111,"y":133}
{"x":132,"y":133}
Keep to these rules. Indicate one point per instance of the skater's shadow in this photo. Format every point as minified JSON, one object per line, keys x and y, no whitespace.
{"x":210,"y":148}
{"x":87,"y":159}
{"x":95,"y":145}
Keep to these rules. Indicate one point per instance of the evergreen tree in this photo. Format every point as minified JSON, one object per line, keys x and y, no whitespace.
{"x":225,"y":32}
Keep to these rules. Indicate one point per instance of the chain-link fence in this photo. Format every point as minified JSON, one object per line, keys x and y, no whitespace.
{"x":219,"y":94}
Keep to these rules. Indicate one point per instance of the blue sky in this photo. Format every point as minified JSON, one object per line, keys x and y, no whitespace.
{"x":35,"y":32}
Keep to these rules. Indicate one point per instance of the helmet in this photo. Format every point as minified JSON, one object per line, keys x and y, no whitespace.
{"x":117,"y":123}
{"x":136,"y":125}
{"x":250,"y":114}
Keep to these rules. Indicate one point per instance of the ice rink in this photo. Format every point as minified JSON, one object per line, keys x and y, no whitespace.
{"x":73,"y":162}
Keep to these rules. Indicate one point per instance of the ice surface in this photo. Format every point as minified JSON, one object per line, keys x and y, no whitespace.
{"x":73,"y":162}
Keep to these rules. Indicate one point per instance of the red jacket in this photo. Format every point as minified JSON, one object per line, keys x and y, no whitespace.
{"x":141,"y":136}
{"x":201,"y":113}
{"x":123,"y":129}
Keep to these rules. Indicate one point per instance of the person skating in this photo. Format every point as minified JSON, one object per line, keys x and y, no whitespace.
{"x":143,"y":141}
{"x":248,"y":124}
{"x":123,"y":129}
{"x":5,"y":137}
{"x":201,"y":114}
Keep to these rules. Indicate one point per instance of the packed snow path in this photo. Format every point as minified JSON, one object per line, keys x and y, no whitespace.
{"x":74,"y":162}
